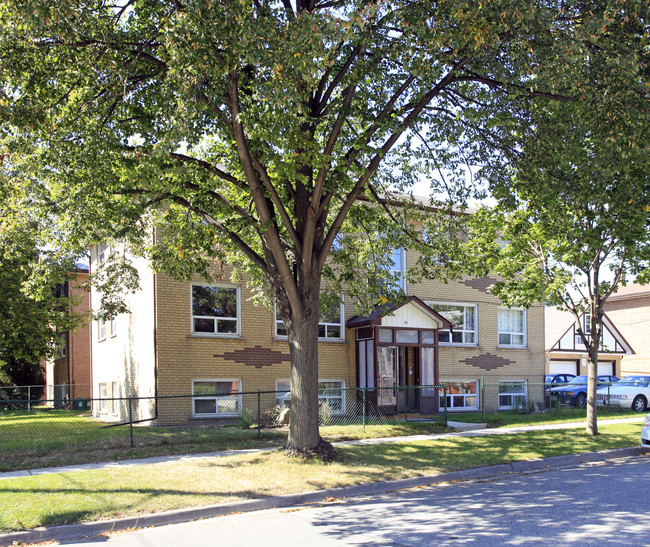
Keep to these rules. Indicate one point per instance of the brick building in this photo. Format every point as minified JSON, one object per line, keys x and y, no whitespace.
{"x":629,"y":308}
{"x":68,"y":376}
{"x":209,"y":341}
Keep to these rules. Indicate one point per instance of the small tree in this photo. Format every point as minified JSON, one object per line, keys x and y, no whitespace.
{"x":572,"y":222}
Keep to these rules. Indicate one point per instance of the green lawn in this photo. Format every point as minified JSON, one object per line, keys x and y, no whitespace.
{"x":48,"y":438}
{"x":554,"y":416}
{"x":85,"y":496}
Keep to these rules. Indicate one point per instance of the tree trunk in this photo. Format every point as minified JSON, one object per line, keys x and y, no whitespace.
{"x":303,"y":348}
{"x":304,"y":436}
{"x":592,"y":372}
{"x":595,"y":328}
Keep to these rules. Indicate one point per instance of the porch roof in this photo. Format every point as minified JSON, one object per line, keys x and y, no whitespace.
{"x":412,"y":313}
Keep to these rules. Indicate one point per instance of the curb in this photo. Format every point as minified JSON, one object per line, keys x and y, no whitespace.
{"x":73,"y":531}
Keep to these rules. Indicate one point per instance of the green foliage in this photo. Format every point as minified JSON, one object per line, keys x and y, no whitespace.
{"x":258,"y":132}
{"x":31,"y":311}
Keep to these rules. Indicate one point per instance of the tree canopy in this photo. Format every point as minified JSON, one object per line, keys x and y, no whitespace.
{"x":573,"y":215}
{"x":251,"y":131}
{"x":31,"y":311}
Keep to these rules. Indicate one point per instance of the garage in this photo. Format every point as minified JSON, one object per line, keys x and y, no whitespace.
{"x":563,"y":367}
{"x":606,"y":367}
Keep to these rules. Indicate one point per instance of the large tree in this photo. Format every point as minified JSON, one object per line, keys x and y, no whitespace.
{"x":32,"y":312}
{"x":248,"y":130}
{"x":572,"y":222}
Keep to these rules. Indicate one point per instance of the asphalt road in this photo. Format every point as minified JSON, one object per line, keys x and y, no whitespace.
{"x":592,"y":504}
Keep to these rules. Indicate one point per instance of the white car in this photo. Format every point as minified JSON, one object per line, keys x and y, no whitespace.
{"x":645,"y":433}
{"x":630,"y":392}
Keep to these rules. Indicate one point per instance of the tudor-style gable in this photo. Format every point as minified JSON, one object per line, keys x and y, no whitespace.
{"x":612,"y":341}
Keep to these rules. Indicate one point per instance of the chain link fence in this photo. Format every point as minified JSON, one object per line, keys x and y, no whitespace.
{"x":56,"y":431}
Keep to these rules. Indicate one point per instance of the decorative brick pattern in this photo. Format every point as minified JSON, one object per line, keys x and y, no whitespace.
{"x":480,"y":283}
{"x":257,"y":357}
{"x":488,"y":361}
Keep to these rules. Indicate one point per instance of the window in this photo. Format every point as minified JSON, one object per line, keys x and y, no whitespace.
{"x":398,"y":269}
{"x":460,"y":395}
{"x":463,"y":320}
{"x":512,"y":327}
{"x":63,"y":343}
{"x":102,"y":252}
{"x":330,"y":324}
{"x":513,"y":395}
{"x":103,"y":396}
{"x":330,"y":393}
{"x":113,"y":326}
{"x":216,"y":398}
{"x":101,"y":328}
{"x":215,"y":310}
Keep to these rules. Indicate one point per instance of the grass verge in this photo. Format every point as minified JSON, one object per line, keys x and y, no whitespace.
{"x":54,"y":438}
{"x":66,"y":498}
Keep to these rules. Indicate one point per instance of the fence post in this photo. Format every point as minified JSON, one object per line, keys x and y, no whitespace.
{"x":29,"y":398}
{"x":259,"y":414}
{"x":131,"y":421}
{"x":363,"y":406}
{"x":483,"y":399}
{"x":444,"y":391}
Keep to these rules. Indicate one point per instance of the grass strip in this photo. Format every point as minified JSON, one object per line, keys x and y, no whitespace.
{"x":66,"y":498}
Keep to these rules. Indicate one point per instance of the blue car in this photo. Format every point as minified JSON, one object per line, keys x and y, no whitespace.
{"x":554,"y":380}
{"x":574,"y":392}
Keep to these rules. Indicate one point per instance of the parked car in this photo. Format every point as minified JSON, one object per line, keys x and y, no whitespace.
{"x":556,"y":380}
{"x":574,"y":392}
{"x":645,"y":433}
{"x":630,"y":392}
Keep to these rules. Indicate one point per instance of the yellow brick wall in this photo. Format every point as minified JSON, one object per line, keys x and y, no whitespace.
{"x":632,"y":319}
{"x":183,"y":357}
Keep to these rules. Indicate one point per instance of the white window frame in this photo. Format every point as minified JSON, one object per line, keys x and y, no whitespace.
{"x":232,"y":397}
{"x":103,"y":250}
{"x":512,"y":333}
{"x":401,"y":271}
{"x":103,"y":397}
{"x":464,"y":331}
{"x":113,"y":323}
{"x":516,"y":398}
{"x":284,"y":395}
{"x":341,"y":325}
{"x":215,"y":319}
{"x":101,"y":329}
{"x":460,"y":396}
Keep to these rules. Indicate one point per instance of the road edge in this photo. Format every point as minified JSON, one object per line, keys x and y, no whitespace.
{"x":74,"y":531}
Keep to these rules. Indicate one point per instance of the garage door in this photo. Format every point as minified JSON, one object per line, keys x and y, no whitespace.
{"x":559,"y":367}
{"x":606,"y":368}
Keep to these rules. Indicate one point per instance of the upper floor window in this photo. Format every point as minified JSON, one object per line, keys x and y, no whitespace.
{"x":330,"y":323}
{"x":512,"y":327}
{"x":215,"y":310}
{"x":102,"y":252}
{"x":463,"y":320}
{"x":101,"y":328}
{"x":398,"y":268}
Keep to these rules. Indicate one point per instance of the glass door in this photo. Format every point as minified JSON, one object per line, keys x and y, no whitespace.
{"x":387,"y":362}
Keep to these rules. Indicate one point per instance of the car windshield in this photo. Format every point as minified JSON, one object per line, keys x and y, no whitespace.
{"x":578,"y":380}
{"x":636,"y":381}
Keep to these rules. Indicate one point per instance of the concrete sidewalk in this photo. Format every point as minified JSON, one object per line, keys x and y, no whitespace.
{"x":463,"y":429}
{"x":185,"y":515}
